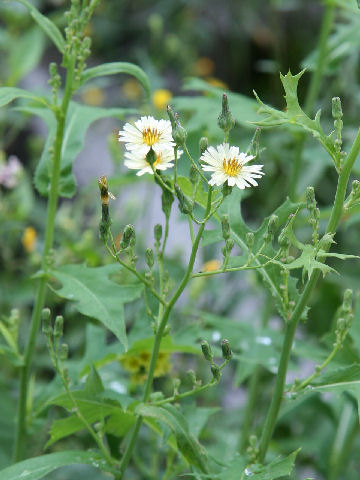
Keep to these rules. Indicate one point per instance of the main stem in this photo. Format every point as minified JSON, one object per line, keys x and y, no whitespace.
{"x":334,"y":220}
{"x":313,"y":91}
{"x":158,"y":337}
{"x":41,"y":290}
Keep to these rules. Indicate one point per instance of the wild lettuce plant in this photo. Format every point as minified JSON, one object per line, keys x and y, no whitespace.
{"x":135,"y":303}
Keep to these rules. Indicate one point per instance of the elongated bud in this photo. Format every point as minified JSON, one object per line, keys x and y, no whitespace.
{"x":179,"y":133}
{"x":254,"y":147}
{"x":194,"y":175}
{"x":176,"y":385}
{"x":59,"y":326}
{"x":46,"y":321}
{"x":310,"y":198}
{"x":336,"y":108}
{"x":271,"y":228}
{"x":128,"y":237}
{"x":158,"y":232}
{"x":149,"y":257}
{"x":203,"y":144}
{"x":225,"y":225}
{"x":229,"y":245}
{"x":151,"y":157}
{"x":355,"y":187}
{"x":347,"y":302}
{"x":64,"y":352}
{"x":105,"y":221}
{"x":325,"y":241}
{"x":226,"y":350}
{"x":225,"y":120}
{"x":206,"y":350}
{"x":167,"y":199}
{"x":249,"y":239}
{"x":215,"y":370}
{"x":185,"y":204}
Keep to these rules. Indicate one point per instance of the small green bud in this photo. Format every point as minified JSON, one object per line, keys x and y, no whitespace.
{"x":215,"y":370}
{"x":185,"y":204}
{"x":167,"y":199}
{"x":271,"y":227}
{"x":225,"y":225}
{"x":59,"y":326}
{"x":226,"y":189}
{"x":249,"y":239}
{"x":310,"y":198}
{"x":355,"y":187}
{"x":158,"y":232}
{"x":192,"y":377}
{"x":149,"y":257}
{"x":64,"y":352}
{"x":229,"y":245}
{"x":206,"y":350}
{"x":176,"y":385}
{"x":46,"y":321}
{"x":341,"y":324}
{"x":226,"y":350}
{"x":178,"y":131}
{"x":151,"y":157}
{"x":225,"y":120}
{"x":254,"y":146}
{"x":156,"y":396}
{"x":336,"y":108}
{"x":203,"y":145}
{"x":253,"y":440}
{"x":193,"y":175}
{"x":128,"y":237}
{"x":347,"y":302}
{"x":325,"y":241}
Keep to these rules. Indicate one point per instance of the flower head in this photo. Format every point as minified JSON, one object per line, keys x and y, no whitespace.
{"x":137,"y":161}
{"x":228,"y":164}
{"x":147,"y":133}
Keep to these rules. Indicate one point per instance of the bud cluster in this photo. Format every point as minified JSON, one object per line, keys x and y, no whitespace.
{"x":271,"y":228}
{"x":354,"y":196}
{"x":314,"y":214}
{"x":54,"y":81}
{"x":338,"y":123}
{"x":58,"y":353}
{"x":254,"y":147}
{"x":209,"y":357}
{"x":225,"y":119}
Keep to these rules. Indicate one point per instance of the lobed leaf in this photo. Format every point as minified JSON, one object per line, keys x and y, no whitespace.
{"x":8,"y":94}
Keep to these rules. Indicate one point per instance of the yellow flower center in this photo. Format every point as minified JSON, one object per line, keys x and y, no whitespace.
{"x":150,"y":136}
{"x":231,"y":166}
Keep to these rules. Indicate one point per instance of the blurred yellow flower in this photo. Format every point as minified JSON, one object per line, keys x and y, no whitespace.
{"x":216,"y":82}
{"x":161,"y":98}
{"x":138,"y":365}
{"x":211,"y":266}
{"x":204,"y":66}
{"x":29,"y":239}
{"x":131,"y":89}
{"x":93,"y":96}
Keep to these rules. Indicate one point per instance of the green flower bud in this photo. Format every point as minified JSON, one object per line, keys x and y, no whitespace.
{"x":254,"y":146}
{"x":226,"y":189}
{"x":149,"y":257}
{"x":158,"y":232}
{"x":347,"y":302}
{"x":215,"y":370}
{"x":249,"y":239}
{"x":203,"y":145}
{"x":355,"y":187}
{"x":151,"y":157}
{"x":325,"y":241}
{"x":64,"y":352}
{"x":206,"y":350}
{"x":185,"y":204}
{"x":225,"y":225}
{"x":156,"y":396}
{"x":226,"y":350}
{"x":176,"y":385}
{"x":193,"y":175}
{"x":46,"y":321}
{"x":310,"y":198}
{"x":229,"y":245}
{"x":128,"y":237}
{"x":336,"y":108}
{"x":192,"y":377}
{"x":167,"y":199}
{"x":59,"y":326}
{"x":225,"y":120}
{"x":178,"y":132}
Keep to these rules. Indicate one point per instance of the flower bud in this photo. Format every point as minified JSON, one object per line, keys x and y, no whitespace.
{"x":192,"y":377}
{"x":215,"y":370}
{"x":310,"y":198}
{"x":225,"y":120}
{"x":229,"y":245}
{"x":185,"y":204}
{"x":178,"y":132}
{"x":158,"y":232}
{"x":225,"y":225}
{"x":156,"y":396}
{"x":176,"y":385}
{"x":336,"y":108}
{"x":193,"y":175}
{"x":249,"y":239}
{"x":149,"y":257}
{"x":206,"y":350}
{"x":203,"y":145}
{"x":128,"y":237}
{"x":254,"y":146}
{"x":226,"y":350}
{"x":64,"y":352}
{"x":151,"y":157}
{"x":46,"y":321}
{"x":347,"y":302}
{"x":226,"y":189}
{"x":59,"y":325}
{"x":167,"y":199}
{"x":325,"y":241}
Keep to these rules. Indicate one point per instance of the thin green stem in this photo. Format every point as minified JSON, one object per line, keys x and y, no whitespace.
{"x":41,"y":291}
{"x":158,"y":337}
{"x":334,"y":220}
{"x":313,"y":90}
{"x":194,"y":164}
{"x":191,"y":228}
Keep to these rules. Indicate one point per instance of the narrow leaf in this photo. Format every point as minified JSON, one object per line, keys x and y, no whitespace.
{"x":8,"y":94}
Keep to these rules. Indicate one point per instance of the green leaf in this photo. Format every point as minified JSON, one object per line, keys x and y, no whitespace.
{"x":117,"y":67}
{"x":276,"y":469}
{"x":48,"y":27}
{"x":38,"y":467}
{"x":78,"y":120}
{"x":93,"y":384}
{"x":8,"y":94}
{"x":96,"y":296}
{"x":294,"y":115}
{"x":307,"y":261}
{"x":188,"y":445}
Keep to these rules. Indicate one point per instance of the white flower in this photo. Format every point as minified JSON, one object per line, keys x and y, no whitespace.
{"x":137,"y":161}
{"x":229,"y":165}
{"x":147,"y":132}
